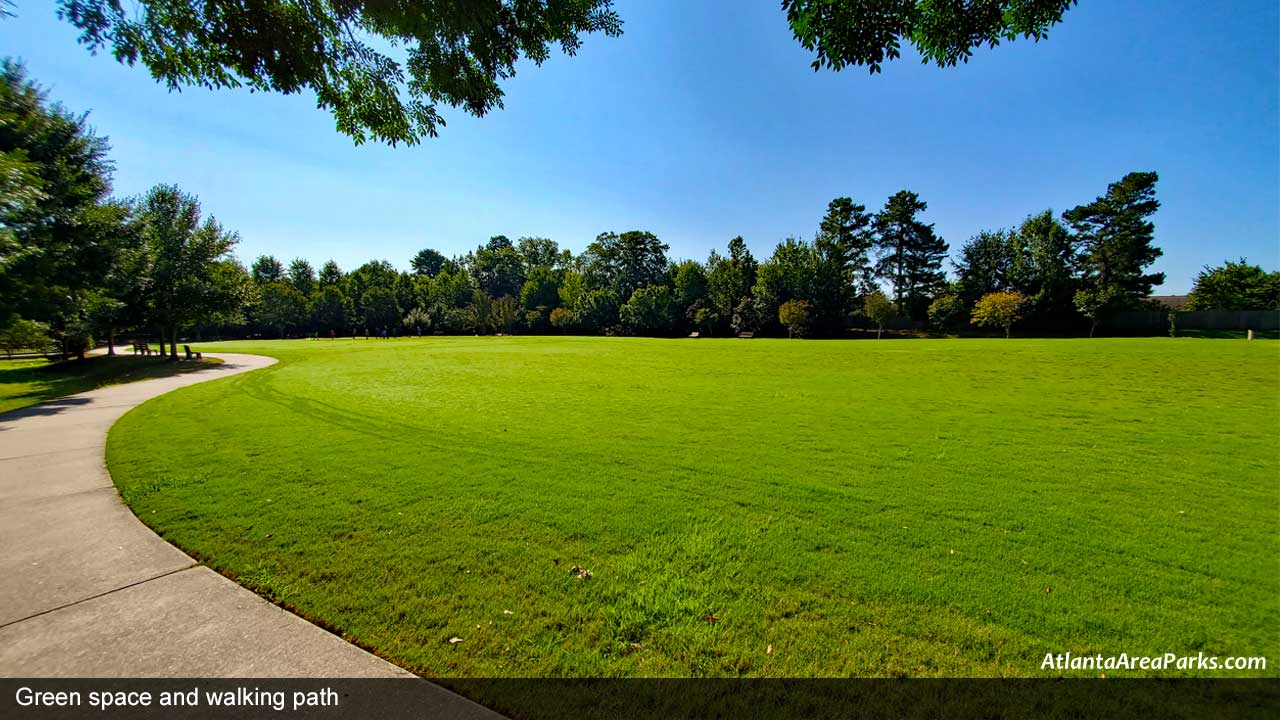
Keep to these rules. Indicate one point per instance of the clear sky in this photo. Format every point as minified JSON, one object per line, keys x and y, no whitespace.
{"x":705,"y":121}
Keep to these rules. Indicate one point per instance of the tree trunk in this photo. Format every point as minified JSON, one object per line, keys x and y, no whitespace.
{"x":111,"y":341}
{"x":879,"y":330}
{"x":1007,"y":330}
{"x":173,"y":342}
{"x":1093,"y":325}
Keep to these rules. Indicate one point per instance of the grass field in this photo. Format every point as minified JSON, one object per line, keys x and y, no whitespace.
{"x":780,"y":508}
{"x":31,"y":381}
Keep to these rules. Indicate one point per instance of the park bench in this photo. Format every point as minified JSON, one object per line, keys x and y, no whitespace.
{"x":746,"y":335}
{"x":191,"y":355}
{"x":141,"y":347}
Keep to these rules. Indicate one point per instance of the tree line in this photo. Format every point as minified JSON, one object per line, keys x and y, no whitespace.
{"x":861,"y":269}
{"x":77,"y":263}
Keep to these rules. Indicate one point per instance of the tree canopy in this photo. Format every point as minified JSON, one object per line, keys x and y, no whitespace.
{"x":1235,"y":286}
{"x":1116,"y":237}
{"x":871,"y":32}
{"x":455,"y":53}
{"x":385,"y":70}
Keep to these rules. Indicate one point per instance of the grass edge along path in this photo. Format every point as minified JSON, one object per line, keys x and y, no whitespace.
{"x":27,"y":382}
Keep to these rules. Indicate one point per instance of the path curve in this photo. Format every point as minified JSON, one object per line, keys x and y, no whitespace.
{"x":89,"y":591}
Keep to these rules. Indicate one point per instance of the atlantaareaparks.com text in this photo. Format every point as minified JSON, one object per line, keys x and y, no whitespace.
{"x":1167,"y":661}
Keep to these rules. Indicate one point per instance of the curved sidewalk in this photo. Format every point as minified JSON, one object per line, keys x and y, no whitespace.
{"x":89,"y":591}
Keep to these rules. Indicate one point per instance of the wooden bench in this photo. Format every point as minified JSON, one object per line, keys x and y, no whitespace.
{"x":191,"y":355}
{"x":141,"y":347}
{"x":746,"y":335}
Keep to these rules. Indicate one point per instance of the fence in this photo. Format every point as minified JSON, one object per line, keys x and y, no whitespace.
{"x":1158,"y":322}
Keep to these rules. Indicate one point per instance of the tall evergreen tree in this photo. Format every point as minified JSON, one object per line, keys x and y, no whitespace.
{"x":1116,"y":239}
{"x":911,"y":254}
{"x":841,"y":266}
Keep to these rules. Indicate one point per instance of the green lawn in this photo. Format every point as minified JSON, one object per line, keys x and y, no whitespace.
{"x":763,"y":507}
{"x":28,"y":382}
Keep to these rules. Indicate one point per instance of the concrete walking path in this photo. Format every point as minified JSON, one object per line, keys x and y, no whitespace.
{"x":89,"y":591}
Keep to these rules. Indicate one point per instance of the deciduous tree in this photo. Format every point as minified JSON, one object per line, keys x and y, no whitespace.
{"x":456,"y":53}
{"x":871,"y":32}
{"x":56,"y":238}
{"x":330,"y":275}
{"x":624,"y":263}
{"x":1235,"y":286}
{"x":428,"y":262}
{"x":184,"y":282}
{"x":282,"y":308}
{"x":302,"y":276}
{"x":379,"y":309}
{"x":649,"y":311}
{"x":331,"y":311}
{"x":267,"y":269}
{"x":999,"y":309}
{"x":880,"y":309}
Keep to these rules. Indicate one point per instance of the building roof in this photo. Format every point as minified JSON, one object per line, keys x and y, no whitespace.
{"x":1174,"y":302}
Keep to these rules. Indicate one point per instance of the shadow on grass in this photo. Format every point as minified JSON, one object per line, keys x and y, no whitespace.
{"x":28,"y":383}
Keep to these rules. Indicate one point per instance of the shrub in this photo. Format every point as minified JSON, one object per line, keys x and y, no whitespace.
{"x":563,"y":318}
{"x":946,"y":312}
{"x":794,"y":314}
{"x":416,"y":321}
{"x":536,"y":319}
{"x":25,"y":335}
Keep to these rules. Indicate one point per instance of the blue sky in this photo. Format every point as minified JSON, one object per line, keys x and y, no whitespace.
{"x":705,"y":121}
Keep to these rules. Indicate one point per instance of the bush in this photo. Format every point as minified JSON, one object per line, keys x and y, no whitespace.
{"x":746,"y":316}
{"x":794,"y":314}
{"x":416,"y":321}
{"x":25,"y":335}
{"x":536,"y":320}
{"x":563,"y":318}
{"x":946,"y":312}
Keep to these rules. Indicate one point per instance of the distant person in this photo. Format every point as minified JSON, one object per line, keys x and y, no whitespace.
{"x":332,"y":336}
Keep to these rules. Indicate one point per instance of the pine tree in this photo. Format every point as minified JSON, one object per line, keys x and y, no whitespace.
{"x":911,"y":254}
{"x":1116,"y":239}
{"x":841,"y":265}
